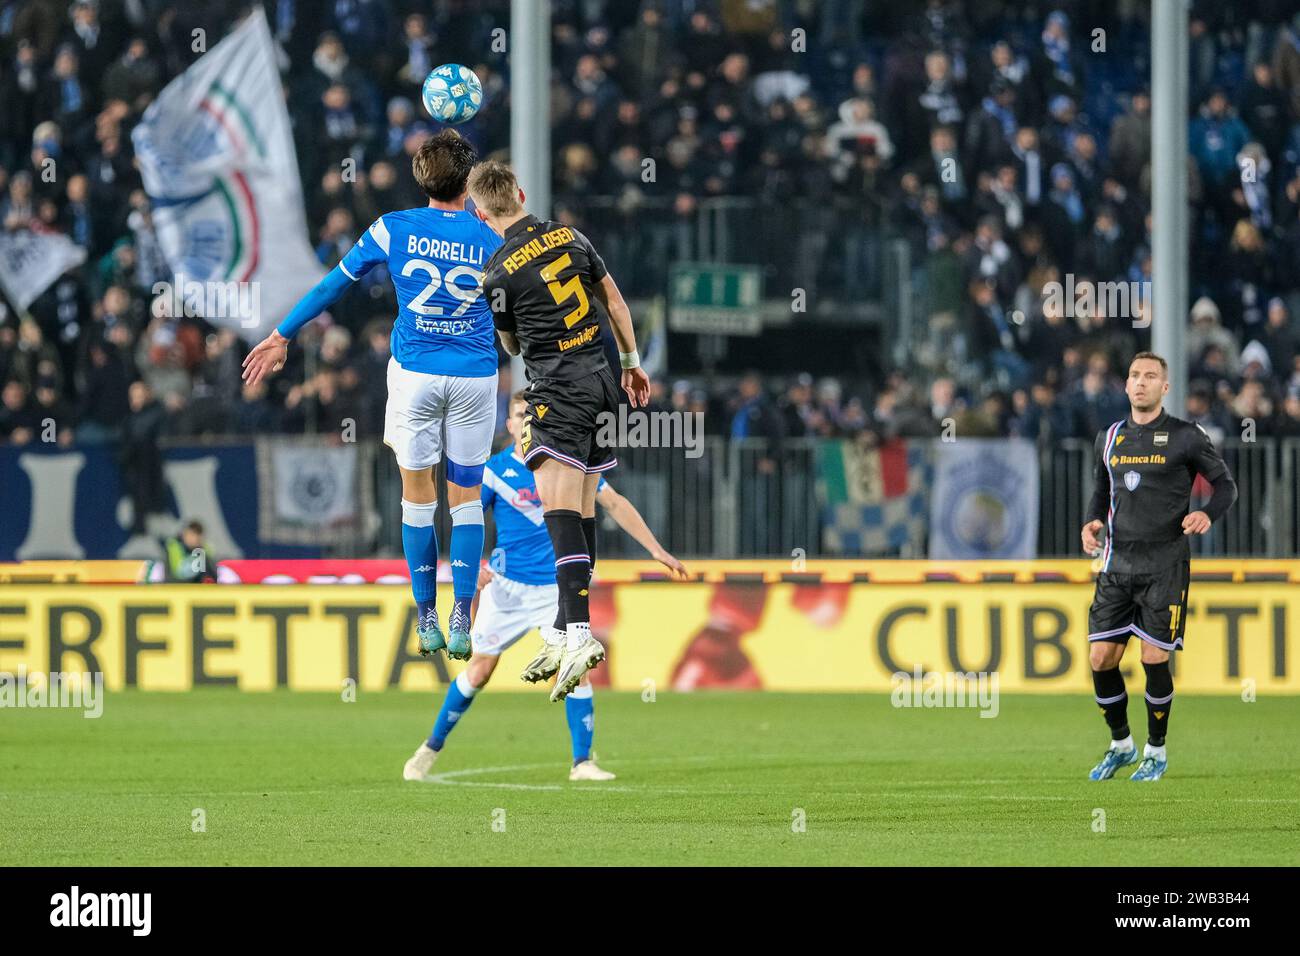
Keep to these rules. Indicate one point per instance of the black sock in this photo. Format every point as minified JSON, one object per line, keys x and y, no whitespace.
{"x":572,"y":564}
{"x":1113,"y":700}
{"x":589,"y":529}
{"x":1160,"y":697}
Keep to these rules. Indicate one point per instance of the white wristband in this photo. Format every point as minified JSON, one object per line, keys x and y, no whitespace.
{"x":630,"y":359}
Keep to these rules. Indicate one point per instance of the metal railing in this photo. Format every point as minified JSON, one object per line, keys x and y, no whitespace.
{"x":747,"y":498}
{"x":1262,"y":523}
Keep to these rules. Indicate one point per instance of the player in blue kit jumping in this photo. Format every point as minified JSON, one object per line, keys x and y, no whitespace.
{"x":520,"y":594}
{"x":443,"y":370}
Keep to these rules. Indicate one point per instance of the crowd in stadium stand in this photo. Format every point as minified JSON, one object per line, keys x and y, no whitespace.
{"x":993,"y":138}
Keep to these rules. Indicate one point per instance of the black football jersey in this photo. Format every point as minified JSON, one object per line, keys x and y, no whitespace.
{"x":540,"y":286}
{"x":1144,"y":476}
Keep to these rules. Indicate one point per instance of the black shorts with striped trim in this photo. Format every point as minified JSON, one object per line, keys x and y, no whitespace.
{"x":1151,"y":607}
{"x":564,"y":421}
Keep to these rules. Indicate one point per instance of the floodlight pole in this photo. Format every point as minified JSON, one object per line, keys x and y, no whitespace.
{"x":530,"y":113}
{"x":1169,"y":153}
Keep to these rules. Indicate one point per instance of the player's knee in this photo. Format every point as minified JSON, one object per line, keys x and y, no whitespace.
{"x":1103,"y":655}
{"x":1153,"y":655}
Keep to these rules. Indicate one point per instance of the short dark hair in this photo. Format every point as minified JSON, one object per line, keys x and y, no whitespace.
{"x":441,"y":165}
{"x":1164,"y":366}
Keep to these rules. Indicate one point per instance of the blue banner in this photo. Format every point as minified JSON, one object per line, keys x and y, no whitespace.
{"x":71,"y":503}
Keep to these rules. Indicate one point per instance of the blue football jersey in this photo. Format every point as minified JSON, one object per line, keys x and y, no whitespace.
{"x":523,"y":550}
{"x":435,"y":258}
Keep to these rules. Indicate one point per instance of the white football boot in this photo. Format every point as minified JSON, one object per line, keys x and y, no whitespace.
{"x":574,"y":664}
{"x":417,"y":768}
{"x":547,"y":661}
{"x":587,"y":770}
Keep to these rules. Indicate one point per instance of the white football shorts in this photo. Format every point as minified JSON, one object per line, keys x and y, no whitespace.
{"x":507,"y":610}
{"x":419,"y":403}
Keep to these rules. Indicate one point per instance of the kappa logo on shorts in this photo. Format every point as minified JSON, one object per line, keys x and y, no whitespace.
{"x":1131,"y":480}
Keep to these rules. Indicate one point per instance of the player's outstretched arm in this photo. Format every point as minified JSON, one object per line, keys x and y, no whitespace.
{"x":635,"y":381}
{"x":268,"y":356}
{"x":630,"y":520}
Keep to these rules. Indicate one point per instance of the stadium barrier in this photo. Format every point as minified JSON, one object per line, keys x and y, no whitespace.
{"x":742,"y":630}
{"x":285,"y":499}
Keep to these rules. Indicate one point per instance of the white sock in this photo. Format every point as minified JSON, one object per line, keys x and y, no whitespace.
{"x":464,"y":686}
{"x":582,"y":691}
{"x":578,"y":635}
{"x":1125,"y":745}
{"x":1157,"y":752}
{"x":552,"y":635}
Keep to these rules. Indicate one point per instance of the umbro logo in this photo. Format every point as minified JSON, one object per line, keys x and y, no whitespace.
{"x":424,"y":567}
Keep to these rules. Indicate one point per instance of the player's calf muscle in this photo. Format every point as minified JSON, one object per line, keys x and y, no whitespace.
{"x":459,"y":494}
{"x":418,"y":487}
{"x":481,"y":668}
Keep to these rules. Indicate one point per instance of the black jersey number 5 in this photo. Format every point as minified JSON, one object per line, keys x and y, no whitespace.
{"x":561,"y":292}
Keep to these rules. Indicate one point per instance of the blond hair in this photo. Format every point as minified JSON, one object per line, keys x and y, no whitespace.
{"x":495,"y":190}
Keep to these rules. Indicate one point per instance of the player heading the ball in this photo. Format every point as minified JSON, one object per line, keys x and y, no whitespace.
{"x":541,"y":286}
{"x":443,"y":371}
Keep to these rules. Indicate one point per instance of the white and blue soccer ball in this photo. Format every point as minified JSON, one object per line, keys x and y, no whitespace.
{"x":452,"y":93}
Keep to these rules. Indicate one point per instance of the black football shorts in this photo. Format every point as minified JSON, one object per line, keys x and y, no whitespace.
{"x":564,"y":421}
{"x":1151,"y":607}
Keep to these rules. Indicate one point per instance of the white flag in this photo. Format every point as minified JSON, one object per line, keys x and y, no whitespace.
{"x":31,"y":261}
{"x":216,"y":155}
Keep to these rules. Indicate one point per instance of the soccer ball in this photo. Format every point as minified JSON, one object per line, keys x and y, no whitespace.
{"x":452,"y":93}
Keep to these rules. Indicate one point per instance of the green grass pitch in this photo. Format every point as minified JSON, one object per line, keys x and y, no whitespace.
{"x":707,"y":778}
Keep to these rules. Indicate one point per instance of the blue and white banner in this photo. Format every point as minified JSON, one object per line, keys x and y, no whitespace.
{"x":985,"y":500}
{"x":60,"y":503}
{"x":216,"y":155}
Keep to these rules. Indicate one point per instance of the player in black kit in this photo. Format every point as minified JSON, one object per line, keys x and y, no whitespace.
{"x":540,"y":286}
{"x":1145,"y":468}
